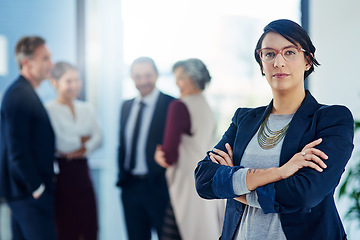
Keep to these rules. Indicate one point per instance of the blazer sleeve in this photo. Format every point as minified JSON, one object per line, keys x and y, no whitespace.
{"x":19,"y":117}
{"x":121,"y":148}
{"x":212,"y":180}
{"x":308,"y":187}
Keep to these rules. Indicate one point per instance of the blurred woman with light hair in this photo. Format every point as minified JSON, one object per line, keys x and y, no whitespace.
{"x":189,"y":132}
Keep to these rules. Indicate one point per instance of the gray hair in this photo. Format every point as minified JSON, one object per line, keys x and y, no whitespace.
{"x":26,"y":47}
{"x":145,"y":60}
{"x":196,"y":70}
{"x":60,"y":68}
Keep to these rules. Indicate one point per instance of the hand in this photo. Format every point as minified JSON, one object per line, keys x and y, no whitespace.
{"x":76,"y":154}
{"x":160,"y":157}
{"x":308,"y":157}
{"x":39,"y":191}
{"x":222,"y":157}
{"x":84,"y":139}
{"x":241,"y":199}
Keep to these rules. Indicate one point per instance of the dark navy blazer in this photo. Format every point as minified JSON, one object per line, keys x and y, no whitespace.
{"x":155,"y":136}
{"x":305,"y":200}
{"x":27,"y":142}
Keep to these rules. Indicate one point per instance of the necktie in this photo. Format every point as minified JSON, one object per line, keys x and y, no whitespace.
{"x":136,"y":135}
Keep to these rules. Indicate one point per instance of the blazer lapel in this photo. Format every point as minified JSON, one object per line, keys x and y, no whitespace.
{"x":297,"y":128}
{"x":247,"y":129}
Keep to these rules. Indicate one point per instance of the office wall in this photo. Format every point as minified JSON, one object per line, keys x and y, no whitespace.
{"x":335,"y":31}
{"x":53,"y":20}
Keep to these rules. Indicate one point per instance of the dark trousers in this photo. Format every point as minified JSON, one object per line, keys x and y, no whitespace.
{"x":33,"y":219}
{"x":144,"y":207}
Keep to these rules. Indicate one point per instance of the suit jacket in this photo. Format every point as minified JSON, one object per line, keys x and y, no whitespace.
{"x":27,"y":142}
{"x":305,"y":200}
{"x":155,"y":136}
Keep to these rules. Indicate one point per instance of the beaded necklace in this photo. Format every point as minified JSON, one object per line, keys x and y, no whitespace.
{"x":267,"y":138}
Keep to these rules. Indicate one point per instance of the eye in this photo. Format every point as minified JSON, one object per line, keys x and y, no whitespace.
{"x":290,"y":52}
{"x":269,"y":54}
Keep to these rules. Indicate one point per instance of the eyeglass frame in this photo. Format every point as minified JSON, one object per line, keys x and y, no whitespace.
{"x":277,"y":52}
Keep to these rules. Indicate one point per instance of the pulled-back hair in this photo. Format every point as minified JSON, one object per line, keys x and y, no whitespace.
{"x":60,"y":68}
{"x":196,"y":70}
{"x":295,"y":34}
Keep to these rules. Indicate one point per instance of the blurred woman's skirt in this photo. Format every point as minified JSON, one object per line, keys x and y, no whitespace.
{"x":75,"y":203}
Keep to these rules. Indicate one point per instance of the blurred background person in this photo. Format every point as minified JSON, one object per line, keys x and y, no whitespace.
{"x":189,"y":132}
{"x":27,"y":146}
{"x":143,"y":184}
{"x":77,"y":135}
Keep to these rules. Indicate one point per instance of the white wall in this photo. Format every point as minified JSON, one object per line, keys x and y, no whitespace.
{"x":335,"y":31}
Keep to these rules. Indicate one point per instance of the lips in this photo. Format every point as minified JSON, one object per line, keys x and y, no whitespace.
{"x":280,"y":75}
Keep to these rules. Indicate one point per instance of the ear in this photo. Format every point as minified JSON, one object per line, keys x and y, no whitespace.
{"x":309,"y":62}
{"x":25,"y":62}
{"x":53,"y":82}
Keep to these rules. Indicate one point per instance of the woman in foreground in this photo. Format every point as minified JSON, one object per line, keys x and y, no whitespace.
{"x":279,"y":165}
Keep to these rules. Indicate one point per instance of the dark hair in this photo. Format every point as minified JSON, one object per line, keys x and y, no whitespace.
{"x":295,"y":34}
{"x":25,"y":48}
{"x":60,"y":68}
{"x":144,"y":60}
{"x":196,"y":70}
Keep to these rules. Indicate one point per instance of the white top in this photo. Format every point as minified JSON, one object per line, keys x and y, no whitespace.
{"x":69,"y":129}
{"x":148,"y":112}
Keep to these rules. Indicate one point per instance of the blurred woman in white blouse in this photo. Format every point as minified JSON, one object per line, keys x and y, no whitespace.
{"x":77,"y":135}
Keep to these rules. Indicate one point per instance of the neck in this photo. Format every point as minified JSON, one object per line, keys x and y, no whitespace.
{"x":189,"y":93}
{"x":65,"y":101}
{"x":287,"y":103}
{"x":33,"y":81}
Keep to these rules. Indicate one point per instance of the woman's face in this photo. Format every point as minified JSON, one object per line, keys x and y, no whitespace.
{"x":283,"y":75}
{"x":68,"y":86}
{"x":184,"y":82}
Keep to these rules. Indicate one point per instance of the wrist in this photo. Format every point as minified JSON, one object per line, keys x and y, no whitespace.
{"x":281,"y":172}
{"x":39,"y":191}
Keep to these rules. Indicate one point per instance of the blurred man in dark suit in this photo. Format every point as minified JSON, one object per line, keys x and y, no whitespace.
{"x":27,"y":146}
{"x":144,"y":189}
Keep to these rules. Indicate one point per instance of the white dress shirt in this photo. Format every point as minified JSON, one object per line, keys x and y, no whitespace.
{"x":148,"y":112}
{"x":69,"y":128}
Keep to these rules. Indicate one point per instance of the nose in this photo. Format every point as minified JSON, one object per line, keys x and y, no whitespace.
{"x":279,"y":61}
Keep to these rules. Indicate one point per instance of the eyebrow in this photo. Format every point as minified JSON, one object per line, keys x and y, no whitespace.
{"x":282,"y":48}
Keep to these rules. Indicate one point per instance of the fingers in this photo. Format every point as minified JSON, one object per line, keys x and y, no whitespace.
{"x":217,"y":159}
{"x":312,"y":165}
{"x":222,"y":157}
{"x":313,"y":144}
{"x":229,"y":150}
{"x":316,"y":152}
{"x":315,"y":159}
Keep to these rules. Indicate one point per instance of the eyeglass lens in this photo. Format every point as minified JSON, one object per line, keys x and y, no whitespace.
{"x":289,"y":54}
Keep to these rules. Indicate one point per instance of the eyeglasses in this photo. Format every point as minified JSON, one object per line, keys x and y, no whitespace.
{"x":290,"y":54}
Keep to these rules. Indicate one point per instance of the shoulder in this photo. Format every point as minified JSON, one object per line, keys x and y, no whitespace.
{"x":128,"y":102}
{"x":165,"y":97}
{"x":177,"y":104}
{"x":20,"y":94}
{"x":332,"y":114}
{"x":83,"y":105}
{"x":241,"y":113}
{"x":50,"y":104}
{"x":177,"y":108}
